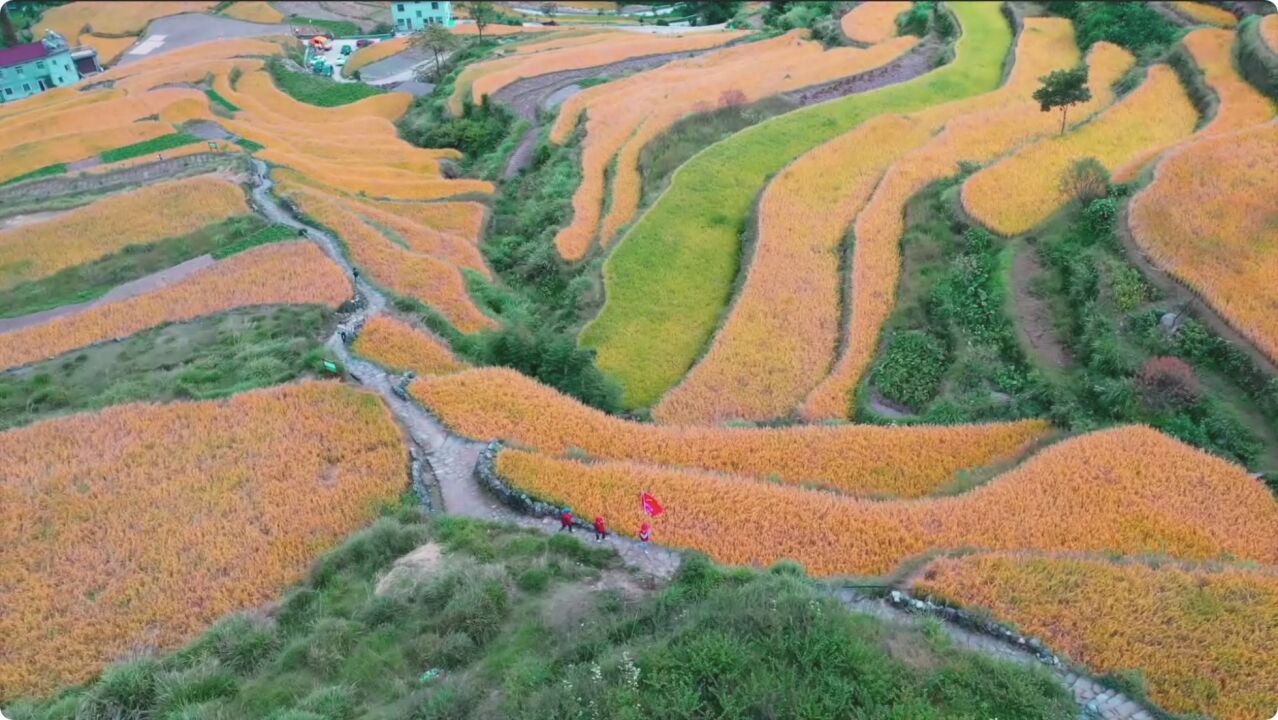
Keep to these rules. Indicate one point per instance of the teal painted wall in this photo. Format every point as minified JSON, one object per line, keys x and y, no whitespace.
{"x":413,"y":16}
{"x":24,"y":80}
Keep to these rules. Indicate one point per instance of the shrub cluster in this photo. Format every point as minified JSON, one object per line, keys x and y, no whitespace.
{"x":1132,"y":25}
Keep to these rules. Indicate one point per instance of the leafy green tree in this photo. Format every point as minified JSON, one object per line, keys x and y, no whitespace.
{"x":484,"y":14}
{"x":8,"y":34}
{"x":436,"y":39}
{"x":710,"y":13}
{"x":1132,"y":25}
{"x":1061,"y":89}
{"x":916,"y":21}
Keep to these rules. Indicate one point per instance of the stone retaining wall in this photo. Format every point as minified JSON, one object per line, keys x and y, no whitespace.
{"x":60,"y":185}
{"x":521,"y":502}
{"x":975,"y":623}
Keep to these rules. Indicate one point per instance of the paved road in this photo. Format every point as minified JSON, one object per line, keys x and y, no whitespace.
{"x":178,"y":31}
{"x":396,"y":68}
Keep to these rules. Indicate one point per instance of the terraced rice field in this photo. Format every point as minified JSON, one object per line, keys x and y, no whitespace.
{"x":492,"y":403}
{"x":259,"y":12}
{"x":779,"y":339}
{"x":1238,"y":104}
{"x":623,"y":116}
{"x":488,"y":77}
{"x":279,"y":274}
{"x":1269,"y":31}
{"x":498,"y":30}
{"x":129,"y":105}
{"x":872,"y":22}
{"x":462,"y":219}
{"x":1131,"y":491}
{"x":22,"y":159}
{"x":1216,"y":628}
{"x":1208,"y":219}
{"x":417,"y":275}
{"x":396,"y":345}
{"x":1017,"y":193}
{"x":1241,"y":105}
{"x":739,"y":315}
{"x":1205,"y":13}
{"x":974,"y":137}
{"x":112,"y":19}
{"x":141,"y":524}
{"x":670,"y":277}
{"x":152,"y":213}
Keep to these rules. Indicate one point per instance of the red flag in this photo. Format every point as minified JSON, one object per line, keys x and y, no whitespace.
{"x":650,"y":504}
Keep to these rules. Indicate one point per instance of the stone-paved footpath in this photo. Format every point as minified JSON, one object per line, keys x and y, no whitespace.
{"x":1094,"y":700}
{"x":453,"y":460}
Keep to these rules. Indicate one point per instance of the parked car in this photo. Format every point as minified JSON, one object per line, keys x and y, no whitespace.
{"x":363,"y":42}
{"x":346,"y":49}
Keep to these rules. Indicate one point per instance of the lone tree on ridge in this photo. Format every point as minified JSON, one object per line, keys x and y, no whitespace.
{"x":1061,"y":89}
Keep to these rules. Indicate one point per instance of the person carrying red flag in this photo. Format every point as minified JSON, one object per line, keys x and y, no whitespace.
{"x":565,"y":520}
{"x":650,"y":504}
{"x":601,"y":531}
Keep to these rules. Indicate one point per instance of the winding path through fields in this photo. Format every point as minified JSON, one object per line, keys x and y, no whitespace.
{"x":452,"y":461}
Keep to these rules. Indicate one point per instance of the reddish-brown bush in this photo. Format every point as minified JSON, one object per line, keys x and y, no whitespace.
{"x":1168,"y":382}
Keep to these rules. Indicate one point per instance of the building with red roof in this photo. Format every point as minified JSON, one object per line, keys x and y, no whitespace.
{"x":29,"y":69}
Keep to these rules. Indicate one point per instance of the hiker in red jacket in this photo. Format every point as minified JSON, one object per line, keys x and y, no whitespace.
{"x":565,"y":520}
{"x":601,"y":531}
{"x":645,"y":532}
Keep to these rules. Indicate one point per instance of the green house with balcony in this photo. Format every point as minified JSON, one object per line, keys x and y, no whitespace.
{"x":30,"y":69}
{"x":410,"y":17}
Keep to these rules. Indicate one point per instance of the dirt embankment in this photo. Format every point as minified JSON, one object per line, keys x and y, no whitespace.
{"x":909,"y":65}
{"x":527,"y":97}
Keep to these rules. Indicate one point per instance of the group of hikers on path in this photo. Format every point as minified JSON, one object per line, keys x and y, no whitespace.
{"x":601,"y":530}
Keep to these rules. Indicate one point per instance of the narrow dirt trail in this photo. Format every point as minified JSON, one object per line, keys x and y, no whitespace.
{"x":124,"y":291}
{"x":452,"y":461}
{"x":1034,"y":318}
